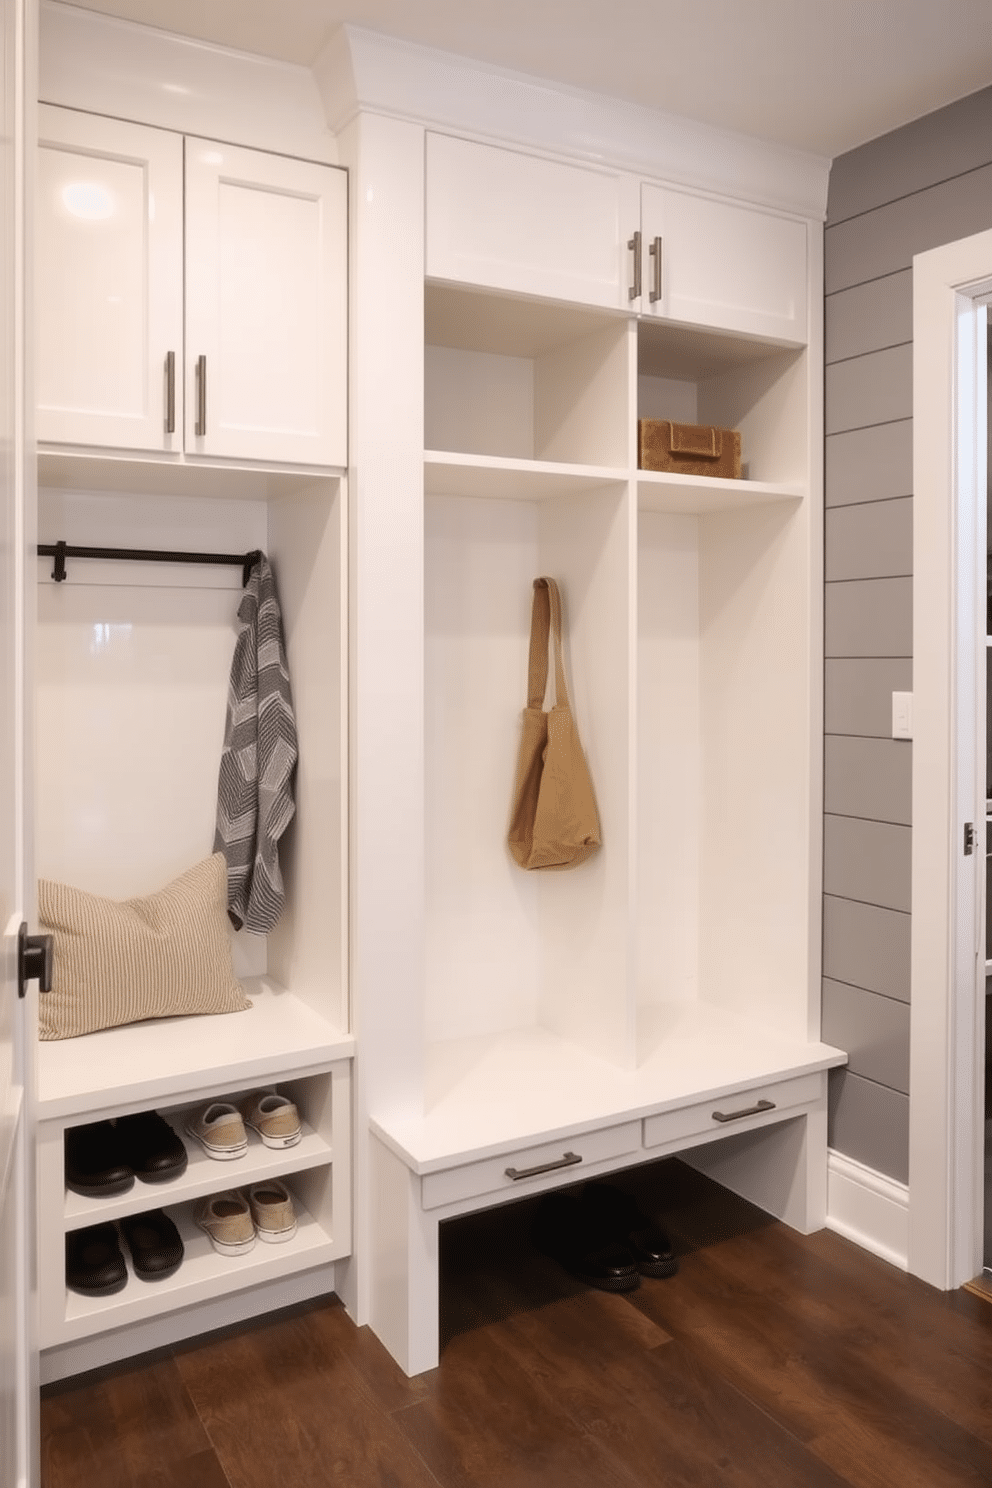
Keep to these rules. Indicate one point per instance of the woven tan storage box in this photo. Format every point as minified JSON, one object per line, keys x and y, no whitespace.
{"x":688,"y":449}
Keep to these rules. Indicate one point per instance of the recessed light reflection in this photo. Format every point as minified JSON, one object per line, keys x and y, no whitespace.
{"x":106,"y":635}
{"x":88,"y":200}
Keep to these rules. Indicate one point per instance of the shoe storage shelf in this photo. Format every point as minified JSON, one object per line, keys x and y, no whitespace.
{"x":664,"y":996}
{"x":315,"y":1170}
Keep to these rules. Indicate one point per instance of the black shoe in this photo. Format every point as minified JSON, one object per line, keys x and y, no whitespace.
{"x":155,"y":1246}
{"x":619,"y":1214}
{"x":95,"y":1165}
{"x":151,"y":1147}
{"x":94,"y":1265}
{"x":565,"y":1230}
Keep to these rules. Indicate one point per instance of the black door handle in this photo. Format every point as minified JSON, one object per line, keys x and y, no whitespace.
{"x":35,"y":956}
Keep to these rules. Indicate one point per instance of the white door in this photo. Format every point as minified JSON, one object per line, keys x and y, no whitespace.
{"x":17,"y":1383}
{"x":109,"y":283}
{"x":516,"y":222}
{"x":266,"y":306}
{"x":713,"y":263}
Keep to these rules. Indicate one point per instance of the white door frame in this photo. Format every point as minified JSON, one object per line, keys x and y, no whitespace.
{"x":950,"y":287}
{"x":19,"y":20}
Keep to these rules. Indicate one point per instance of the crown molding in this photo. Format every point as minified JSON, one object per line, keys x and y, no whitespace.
{"x":103,"y":65}
{"x":362,"y":71}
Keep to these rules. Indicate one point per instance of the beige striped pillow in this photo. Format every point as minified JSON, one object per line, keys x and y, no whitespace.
{"x":118,"y":961}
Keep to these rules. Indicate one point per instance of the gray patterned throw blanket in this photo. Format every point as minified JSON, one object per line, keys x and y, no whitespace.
{"x":255,"y":791}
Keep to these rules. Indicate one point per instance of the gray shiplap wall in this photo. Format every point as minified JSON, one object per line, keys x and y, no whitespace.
{"x":924,"y":185}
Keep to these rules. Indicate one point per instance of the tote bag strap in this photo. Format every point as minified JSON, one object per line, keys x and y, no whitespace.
{"x":545,"y":619}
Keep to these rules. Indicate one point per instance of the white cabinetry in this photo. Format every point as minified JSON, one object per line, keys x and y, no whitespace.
{"x":162,"y":252}
{"x":132,"y":668}
{"x":516,"y":222}
{"x":251,"y":363}
{"x":109,"y":289}
{"x":266,"y":306}
{"x":716,"y":263}
{"x":662,"y":997}
{"x":521,"y":223}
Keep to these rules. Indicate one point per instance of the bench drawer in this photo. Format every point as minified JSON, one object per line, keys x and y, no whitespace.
{"x":545,"y":1165}
{"x":760,"y":1106}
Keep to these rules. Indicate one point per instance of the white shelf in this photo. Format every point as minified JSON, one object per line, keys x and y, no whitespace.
{"x":692,"y":494}
{"x":148,"y":1064}
{"x":449,"y":473}
{"x":203,"y":1275}
{"x":203,"y":1175}
{"x":490,"y":1094}
{"x":71,"y":468}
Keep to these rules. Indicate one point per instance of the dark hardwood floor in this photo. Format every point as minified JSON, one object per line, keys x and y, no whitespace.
{"x":772,"y":1360}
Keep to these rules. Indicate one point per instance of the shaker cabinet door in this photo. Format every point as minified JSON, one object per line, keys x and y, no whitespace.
{"x":731,"y":267}
{"x":108,"y":282}
{"x":266,"y":306}
{"x":505,"y":220}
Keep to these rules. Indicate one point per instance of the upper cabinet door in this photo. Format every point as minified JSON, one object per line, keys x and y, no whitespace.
{"x":108,"y":281}
{"x":519,"y":223}
{"x":266,"y":306}
{"x":723,"y":265}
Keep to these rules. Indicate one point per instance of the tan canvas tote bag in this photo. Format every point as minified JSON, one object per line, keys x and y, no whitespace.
{"x":553,"y":822}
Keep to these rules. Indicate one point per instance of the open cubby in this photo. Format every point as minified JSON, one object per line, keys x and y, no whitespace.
{"x":527,"y":380}
{"x":700,"y":377}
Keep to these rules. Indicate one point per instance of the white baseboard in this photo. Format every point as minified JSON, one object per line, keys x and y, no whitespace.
{"x":868,"y":1208}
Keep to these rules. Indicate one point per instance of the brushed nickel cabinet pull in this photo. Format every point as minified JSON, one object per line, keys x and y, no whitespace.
{"x":634,"y":293}
{"x":655,"y":252}
{"x":763,"y":1105}
{"x":170,"y":392}
{"x":201,"y":397}
{"x":568,"y":1161}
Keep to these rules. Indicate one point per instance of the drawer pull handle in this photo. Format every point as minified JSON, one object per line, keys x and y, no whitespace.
{"x":762,"y":1105}
{"x":200,"y":428}
{"x":634,"y":244}
{"x":568,"y":1161}
{"x":655,"y":252}
{"x":170,"y":392}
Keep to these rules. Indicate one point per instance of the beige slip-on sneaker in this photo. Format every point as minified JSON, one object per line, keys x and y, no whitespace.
{"x":274,"y":1117}
{"x":220,"y":1131}
{"x":226,"y":1218}
{"x":272,"y":1211}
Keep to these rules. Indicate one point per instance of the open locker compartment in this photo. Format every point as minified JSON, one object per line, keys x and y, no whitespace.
{"x":133,"y":662}
{"x":724,"y":792}
{"x":522,"y":965}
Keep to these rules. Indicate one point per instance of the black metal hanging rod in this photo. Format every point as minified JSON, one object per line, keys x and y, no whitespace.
{"x":60,"y":551}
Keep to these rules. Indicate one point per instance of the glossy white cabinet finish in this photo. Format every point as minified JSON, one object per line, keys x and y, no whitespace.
{"x":522,"y":223}
{"x":723,"y":265}
{"x":266,"y":306}
{"x":251,"y":362}
{"x":511,"y":221}
{"x":108,"y":274}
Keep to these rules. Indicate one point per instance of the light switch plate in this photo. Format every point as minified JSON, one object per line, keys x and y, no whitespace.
{"x":902,"y":715}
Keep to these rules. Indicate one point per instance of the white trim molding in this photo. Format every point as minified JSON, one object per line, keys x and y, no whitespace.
{"x":362,"y":71}
{"x":103,"y":65}
{"x":868,"y":1208}
{"x":947,"y":1008}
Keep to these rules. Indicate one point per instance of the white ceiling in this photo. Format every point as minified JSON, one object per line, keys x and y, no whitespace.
{"x":820,"y":75}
